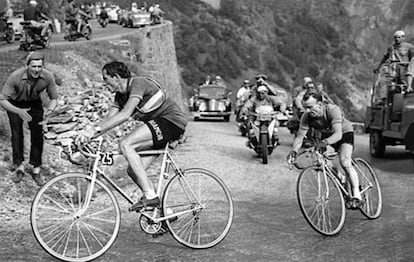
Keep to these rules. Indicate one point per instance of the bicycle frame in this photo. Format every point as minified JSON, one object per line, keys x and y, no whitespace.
{"x":167,"y":163}
{"x":323,"y":161}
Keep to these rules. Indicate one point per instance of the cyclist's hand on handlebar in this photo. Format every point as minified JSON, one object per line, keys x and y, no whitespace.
{"x":85,"y":136}
{"x":322,"y":145}
{"x":291,"y":157}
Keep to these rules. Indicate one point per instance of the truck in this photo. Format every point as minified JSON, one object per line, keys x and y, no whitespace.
{"x":389,"y":118}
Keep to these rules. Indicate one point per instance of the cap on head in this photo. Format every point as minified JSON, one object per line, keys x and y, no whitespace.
{"x":34,"y":56}
{"x":261,"y":89}
{"x":307,"y":80}
{"x":399,"y":33}
{"x":246,"y":81}
{"x":33,"y":2}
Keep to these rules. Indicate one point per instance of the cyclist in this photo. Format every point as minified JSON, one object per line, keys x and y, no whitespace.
{"x":336,"y":131}
{"x":144,"y":99}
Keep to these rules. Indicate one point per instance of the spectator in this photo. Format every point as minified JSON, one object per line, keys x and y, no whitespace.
{"x":400,"y":53}
{"x":20,"y":97}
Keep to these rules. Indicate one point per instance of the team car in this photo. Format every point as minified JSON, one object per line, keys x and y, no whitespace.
{"x":211,"y":101}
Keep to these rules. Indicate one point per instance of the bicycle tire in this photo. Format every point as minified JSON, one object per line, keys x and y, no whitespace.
{"x":69,"y":236}
{"x":204,"y":227}
{"x":371,"y":206}
{"x":324,"y":213}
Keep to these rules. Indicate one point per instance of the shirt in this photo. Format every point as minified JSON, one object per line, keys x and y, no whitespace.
{"x":31,"y":13}
{"x":145,"y":89}
{"x":19,"y":87}
{"x":270,"y":100}
{"x":331,"y":114}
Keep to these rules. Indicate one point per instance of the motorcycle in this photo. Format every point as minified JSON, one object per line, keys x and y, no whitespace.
{"x":6,"y":30}
{"x":72,"y":33}
{"x":262,"y":136}
{"x":242,"y":122}
{"x":32,"y":35}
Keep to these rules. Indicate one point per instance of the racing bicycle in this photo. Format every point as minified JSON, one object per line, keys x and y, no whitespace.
{"x":323,"y":192}
{"x":76,"y":217}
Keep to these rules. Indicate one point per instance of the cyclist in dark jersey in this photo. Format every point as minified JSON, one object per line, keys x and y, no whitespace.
{"x":144,"y":99}
{"x":336,"y":131}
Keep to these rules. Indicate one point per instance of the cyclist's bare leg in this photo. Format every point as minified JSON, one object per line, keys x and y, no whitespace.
{"x":139,"y":139}
{"x":146,"y":162}
{"x":346,"y":162}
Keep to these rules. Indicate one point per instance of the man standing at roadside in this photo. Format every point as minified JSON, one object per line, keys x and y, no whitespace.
{"x":20,"y":97}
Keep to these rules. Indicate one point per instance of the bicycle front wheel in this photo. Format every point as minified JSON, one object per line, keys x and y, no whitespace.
{"x":64,"y":229}
{"x":321,"y":201}
{"x":203,"y":207}
{"x":371,"y":205}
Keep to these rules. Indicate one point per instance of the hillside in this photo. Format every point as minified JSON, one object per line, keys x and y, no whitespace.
{"x":337,"y":42}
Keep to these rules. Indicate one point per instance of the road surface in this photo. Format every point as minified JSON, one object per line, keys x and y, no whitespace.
{"x":268,"y":225}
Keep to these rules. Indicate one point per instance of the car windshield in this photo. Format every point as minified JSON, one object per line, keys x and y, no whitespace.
{"x":212,"y":91}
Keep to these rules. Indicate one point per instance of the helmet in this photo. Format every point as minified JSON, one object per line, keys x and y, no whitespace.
{"x":399,"y":33}
{"x":261,"y":89}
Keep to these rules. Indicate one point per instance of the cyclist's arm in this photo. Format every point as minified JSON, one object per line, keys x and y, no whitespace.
{"x":121,"y":116}
{"x":112,"y":111}
{"x":337,"y":135}
{"x":297,"y":143}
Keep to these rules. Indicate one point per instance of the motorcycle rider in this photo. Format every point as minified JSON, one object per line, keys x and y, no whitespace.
{"x":33,"y":14}
{"x":156,"y":14}
{"x":262,"y":98}
{"x":74,"y":17}
{"x":243,"y":94}
{"x":103,"y":15}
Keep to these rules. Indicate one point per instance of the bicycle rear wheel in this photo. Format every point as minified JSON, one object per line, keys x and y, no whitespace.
{"x":321,"y":201}
{"x":62,"y":230}
{"x":206,"y":206}
{"x":371,"y":205}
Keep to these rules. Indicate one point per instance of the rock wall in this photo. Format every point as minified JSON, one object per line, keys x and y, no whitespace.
{"x":157,"y":57}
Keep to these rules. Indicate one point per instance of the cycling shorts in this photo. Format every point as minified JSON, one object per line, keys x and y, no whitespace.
{"x":347,"y":138}
{"x":163,"y":131}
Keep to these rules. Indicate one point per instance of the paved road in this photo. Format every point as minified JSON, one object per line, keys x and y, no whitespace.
{"x":98,"y":34}
{"x":268,"y":225}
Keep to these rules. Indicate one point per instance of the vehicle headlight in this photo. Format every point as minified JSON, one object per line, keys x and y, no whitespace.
{"x":202,"y":106}
{"x":221,"y":106}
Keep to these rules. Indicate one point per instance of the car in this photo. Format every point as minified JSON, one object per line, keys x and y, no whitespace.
{"x":211,"y":101}
{"x":136,"y":19}
{"x":113,"y":11}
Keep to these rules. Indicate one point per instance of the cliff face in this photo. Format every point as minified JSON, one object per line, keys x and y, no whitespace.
{"x":337,"y":42}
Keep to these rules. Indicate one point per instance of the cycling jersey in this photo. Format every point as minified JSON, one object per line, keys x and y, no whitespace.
{"x":331,"y":114}
{"x":153,"y":102}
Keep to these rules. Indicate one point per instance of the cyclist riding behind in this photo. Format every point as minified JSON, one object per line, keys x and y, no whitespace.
{"x":144,"y":99}
{"x":336,"y":131}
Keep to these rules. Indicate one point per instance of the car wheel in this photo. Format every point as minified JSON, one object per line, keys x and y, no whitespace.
{"x":196,"y":118}
{"x":227,"y":118}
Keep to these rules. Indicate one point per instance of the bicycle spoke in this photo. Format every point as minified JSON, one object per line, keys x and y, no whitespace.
{"x":72,"y":235}
{"x":320,"y":201}
{"x":203,"y":206}
{"x":88,"y":227}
